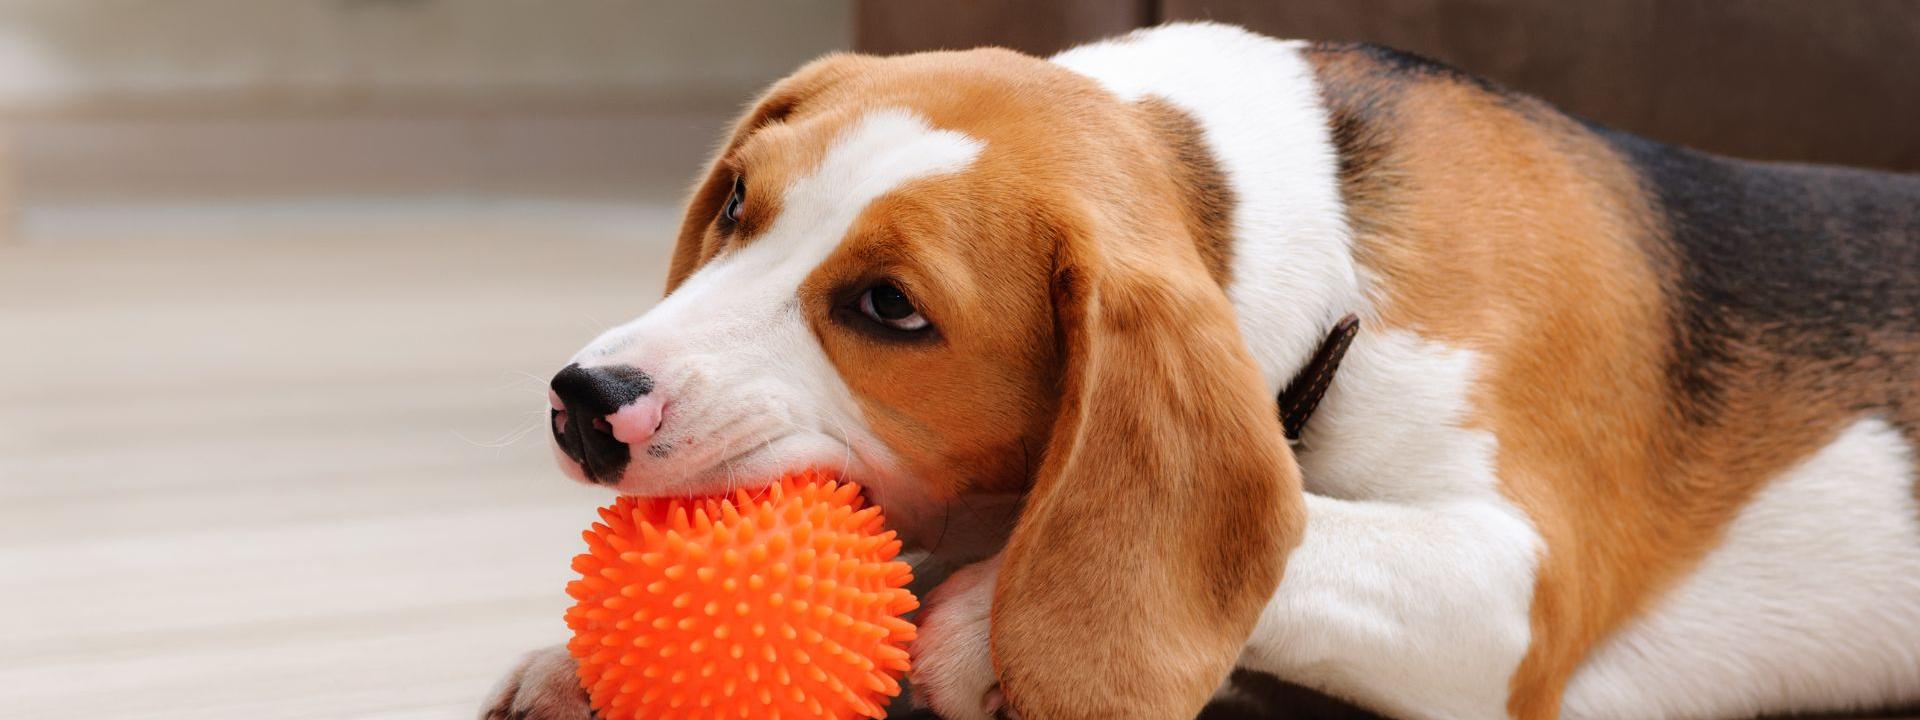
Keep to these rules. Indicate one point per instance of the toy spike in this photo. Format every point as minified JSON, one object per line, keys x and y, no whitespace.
{"x":783,"y":603}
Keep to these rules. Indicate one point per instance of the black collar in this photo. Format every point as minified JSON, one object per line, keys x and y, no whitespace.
{"x":1302,"y":395}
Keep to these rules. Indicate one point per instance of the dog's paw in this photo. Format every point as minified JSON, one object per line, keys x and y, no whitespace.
{"x":952,"y":657}
{"x":542,"y":686}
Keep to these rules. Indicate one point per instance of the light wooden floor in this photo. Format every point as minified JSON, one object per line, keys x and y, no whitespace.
{"x":268,"y":462}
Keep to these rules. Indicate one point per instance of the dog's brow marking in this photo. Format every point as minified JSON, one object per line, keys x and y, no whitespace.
{"x":881,"y":152}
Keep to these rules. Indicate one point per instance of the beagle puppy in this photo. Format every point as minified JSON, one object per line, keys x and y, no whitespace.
{"x":1626,"y":431}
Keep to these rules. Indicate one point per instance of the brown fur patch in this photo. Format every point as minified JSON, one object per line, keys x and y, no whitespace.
{"x":1207,"y":205}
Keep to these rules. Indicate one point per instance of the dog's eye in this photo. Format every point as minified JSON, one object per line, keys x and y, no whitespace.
{"x":731,"y":213}
{"x":885,"y":304}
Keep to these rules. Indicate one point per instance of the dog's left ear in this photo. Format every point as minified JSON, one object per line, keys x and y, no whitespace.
{"x":1166,"y":503}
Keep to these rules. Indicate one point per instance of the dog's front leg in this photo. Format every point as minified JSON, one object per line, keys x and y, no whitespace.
{"x":1417,"y":610}
{"x":952,"y":657}
{"x":542,"y":686}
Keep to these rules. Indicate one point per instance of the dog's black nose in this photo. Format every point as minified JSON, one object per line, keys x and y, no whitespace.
{"x":584,"y":398}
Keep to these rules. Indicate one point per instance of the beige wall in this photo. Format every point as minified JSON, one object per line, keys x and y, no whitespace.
{"x":63,"y":52}
{"x":145,"y":101}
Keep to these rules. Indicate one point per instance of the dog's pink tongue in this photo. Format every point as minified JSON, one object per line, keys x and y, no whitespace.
{"x":636,"y":422}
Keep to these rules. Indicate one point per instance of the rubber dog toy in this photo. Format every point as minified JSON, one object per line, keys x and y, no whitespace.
{"x":780,"y":603}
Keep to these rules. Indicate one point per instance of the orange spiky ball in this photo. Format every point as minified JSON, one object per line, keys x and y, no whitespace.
{"x":781,"y":603}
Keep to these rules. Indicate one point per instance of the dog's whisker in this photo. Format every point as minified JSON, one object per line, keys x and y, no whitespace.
{"x":846,"y":444}
{"x":593,"y":324}
{"x":519,"y":377}
{"x":522,"y":379}
{"x":506,"y":440}
{"x":844,"y":437}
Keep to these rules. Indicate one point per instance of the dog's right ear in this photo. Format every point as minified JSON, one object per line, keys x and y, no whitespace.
{"x":787,"y":97}
{"x":1166,"y":503}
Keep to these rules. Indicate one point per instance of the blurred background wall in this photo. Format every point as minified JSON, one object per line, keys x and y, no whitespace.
{"x":1835,"y":81}
{"x":130,"y":101}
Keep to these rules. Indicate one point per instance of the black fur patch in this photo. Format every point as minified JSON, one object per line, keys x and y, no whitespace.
{"x":1810,"y":269}
{"x":1407,"y":64}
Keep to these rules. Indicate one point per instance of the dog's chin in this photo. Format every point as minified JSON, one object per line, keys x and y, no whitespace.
{"x":750,"y":473}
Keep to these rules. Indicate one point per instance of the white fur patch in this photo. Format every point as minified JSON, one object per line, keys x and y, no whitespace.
{"x":1256,"y":100}
{"x":1412,"y":590}
{"x":749,"y":390}
{"x":1810,"y":603}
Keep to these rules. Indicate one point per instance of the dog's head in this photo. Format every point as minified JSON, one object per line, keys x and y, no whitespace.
{"x":963,"y":272}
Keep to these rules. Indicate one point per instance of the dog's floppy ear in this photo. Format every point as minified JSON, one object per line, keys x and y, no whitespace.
{"x":785,"y":98}
{"x":1166,"y":503}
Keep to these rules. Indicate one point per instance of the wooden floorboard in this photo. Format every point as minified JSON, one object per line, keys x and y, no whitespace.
{"x":269,"y":462}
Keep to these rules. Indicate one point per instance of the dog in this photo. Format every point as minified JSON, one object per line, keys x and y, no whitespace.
{"x":1623,"y":431}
